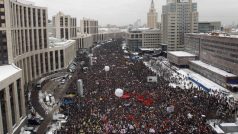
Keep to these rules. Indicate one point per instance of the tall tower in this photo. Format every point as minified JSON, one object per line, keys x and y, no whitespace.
{"x":152,"y":16}
{"x":178,"y":17}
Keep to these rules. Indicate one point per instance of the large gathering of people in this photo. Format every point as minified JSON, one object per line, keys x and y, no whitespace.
{"x":145,"y":107}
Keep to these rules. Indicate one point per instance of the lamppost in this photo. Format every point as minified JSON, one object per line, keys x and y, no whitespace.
{"x":106,"y":68}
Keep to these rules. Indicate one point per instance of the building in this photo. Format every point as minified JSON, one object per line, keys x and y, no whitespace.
{"x":152,"y":17}
{"x":215,"y":74}
{"x":12,"y":102}
{"x":62,"y":53}
{"x":25,"y":56}
{"x":64,"y":26}
{"x":178,"y":17}
{"x":143,"y":38}
{"x":89,"y":26}
{"x":216,"y":57}
{"x":84,"y":41}
{"x":207,"y":27}
{"x":217,"y":50}
{"x":180,"y":58}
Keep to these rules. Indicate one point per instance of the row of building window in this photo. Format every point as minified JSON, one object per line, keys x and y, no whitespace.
{"x":3,"y":48}
{"x":38,"y":61}
{"x":23,"y":16}
{"x":23,"y":40}
{"x":3,"y":104}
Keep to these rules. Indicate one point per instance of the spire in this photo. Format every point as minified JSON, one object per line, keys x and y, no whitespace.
{"x":152,"y":4}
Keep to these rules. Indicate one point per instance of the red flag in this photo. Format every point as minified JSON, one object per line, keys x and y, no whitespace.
{"x":140,"y":98}
{"x":148,"y":102}
{"x":126,"y":96}
{"x":131,"y":117}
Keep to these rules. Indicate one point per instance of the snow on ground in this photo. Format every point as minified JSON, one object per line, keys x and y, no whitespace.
{"x":217,"y":128}
{"x":208,"y":83}
{"x":184,"y":82}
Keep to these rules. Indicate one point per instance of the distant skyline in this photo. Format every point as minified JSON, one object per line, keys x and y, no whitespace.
{"x":124,"y":12}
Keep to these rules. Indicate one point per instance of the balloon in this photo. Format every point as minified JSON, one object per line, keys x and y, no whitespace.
{"x":119,"y":92}
{"x":106,"y":68}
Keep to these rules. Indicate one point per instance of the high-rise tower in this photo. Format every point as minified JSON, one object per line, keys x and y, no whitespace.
{"x":152,"y":16}
{"x":178,"y":17}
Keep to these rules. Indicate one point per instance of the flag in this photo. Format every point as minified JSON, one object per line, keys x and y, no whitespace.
{"x":140,"y":98}
{"x":126,"y":96}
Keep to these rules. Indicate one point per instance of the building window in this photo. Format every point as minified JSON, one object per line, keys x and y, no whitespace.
{"x":3,"y":110}
{"x":19,"y":96}
{"x":11,"y":92}
{"x":39,"y":17}
{"x":62,"y":58}
{"x":42,"y":62}
{"x":34,"y":17}
{"x":3,"y":48}
{"x":2,"y":14}
{"x":56,"y":60}
{"x":51,"y":61}
{"x":46,"y":63}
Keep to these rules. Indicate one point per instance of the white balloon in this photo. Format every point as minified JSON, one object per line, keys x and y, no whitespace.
{"x":119,"y":92}
{"x":106,"y":68}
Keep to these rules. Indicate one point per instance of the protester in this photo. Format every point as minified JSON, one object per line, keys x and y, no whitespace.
{"x":143,"y":108}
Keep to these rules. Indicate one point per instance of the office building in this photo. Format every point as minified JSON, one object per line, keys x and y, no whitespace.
{"x":219,"y":50}
{"x":143,"y":38}
{"x":64,"y":26}
{"x":207,"y":27}
{"x":84,"y":41}
{"x":89,"y":26}
{"x":152,"y":17}
{"x":216,"y":57}
{"x":178,"y":17}
{"x":12,"y":102}
{"x":180,"y":58}
{"x":25,"y":55}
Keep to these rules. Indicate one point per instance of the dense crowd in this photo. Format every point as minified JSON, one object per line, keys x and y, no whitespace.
{"x":144,"y":106}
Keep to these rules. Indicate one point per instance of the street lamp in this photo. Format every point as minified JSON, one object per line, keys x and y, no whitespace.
{"x":106,"y":68}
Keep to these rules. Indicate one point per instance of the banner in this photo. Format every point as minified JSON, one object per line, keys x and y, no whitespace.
{"x":170,"y":109}
{"x":152,"y":79}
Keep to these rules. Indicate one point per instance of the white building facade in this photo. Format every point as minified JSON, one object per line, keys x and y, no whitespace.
{"x":64,"y":26}
{"x":24,"y":49}
{"x":89,"y":26}
{"x":143,"y":38}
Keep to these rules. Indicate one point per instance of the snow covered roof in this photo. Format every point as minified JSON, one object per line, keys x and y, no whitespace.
{"x":181,"y":54}
{"x":216,"y":35}
{"x":213,"y":69}
{"x":54,"y":42}
{"x":149,"y":49}
{"x":26,"y":2}
{"x":228,"y":124}
{"x":7,"y":71}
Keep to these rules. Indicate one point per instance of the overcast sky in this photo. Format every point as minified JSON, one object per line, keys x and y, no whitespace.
{"x":124,"y":12}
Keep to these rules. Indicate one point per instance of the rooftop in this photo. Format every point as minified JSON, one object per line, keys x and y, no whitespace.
{"x":213,"y":69}
{"x":216,"y":35}
{"x":181,"y":54}
{"x":149,"y":49}
{"x":54,"y":42}
{"x":25,"y":2}
{"x":7,"y":71}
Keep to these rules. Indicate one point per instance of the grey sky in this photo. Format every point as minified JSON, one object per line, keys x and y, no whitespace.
{"x":123,"y":12}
